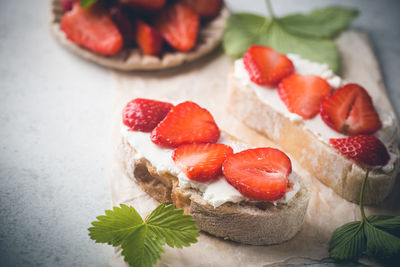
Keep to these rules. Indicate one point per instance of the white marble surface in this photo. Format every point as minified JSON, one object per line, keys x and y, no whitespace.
{"x":55,"y":117}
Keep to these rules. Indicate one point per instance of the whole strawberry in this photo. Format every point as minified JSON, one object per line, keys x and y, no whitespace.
{"x":366,"y":149}
{"x":144,"y":114}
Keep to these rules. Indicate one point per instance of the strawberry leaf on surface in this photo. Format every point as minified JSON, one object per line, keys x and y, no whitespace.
{"x":325,"y":22}
{"x":87,"y":3}
{"x":390,"y":224}
{"x":143,"y":247}
{"x":348,"y":241}
{"x":381,"y":243}
{"x":378,"y":235}
{"x":243,"y":30}
{"x":178,"y":230}
{"x":116,"y":225}
{"x":319,"y":50}
{"x":142,"y":241}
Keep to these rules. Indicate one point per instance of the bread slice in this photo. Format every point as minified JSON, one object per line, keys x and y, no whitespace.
{"x":255,"y":223}
{"x":344,"y":176}
{"x":129,"y":59}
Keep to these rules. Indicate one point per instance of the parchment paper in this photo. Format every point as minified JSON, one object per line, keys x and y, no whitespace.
{"x":205,"y":82}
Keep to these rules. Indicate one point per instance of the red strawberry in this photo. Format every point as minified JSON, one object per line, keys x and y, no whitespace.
{"x":366,"y":149}
{"x":259,"y":174}
{"x":350,"y":111}
{"x":67,"y":4}
{"x":302,"y":94}
{"x":178,"y":25}
{"x":205,"y":8}
{"x":124,"y":24}
{"x":144,"y":114}
{"x":186,"y":123}
{"x":93,"y":29}
{"x":266,"y":66}
{"x":201,"y":162}
{"x":144,"y":5}
{"x":148,"y":38}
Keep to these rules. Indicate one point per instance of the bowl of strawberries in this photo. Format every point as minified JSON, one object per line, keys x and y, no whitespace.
{"x":139,"y":34}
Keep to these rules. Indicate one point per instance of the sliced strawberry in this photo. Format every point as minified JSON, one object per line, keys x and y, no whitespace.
{"x":201,"y":162}
{"x":186,"y":123}
{"x":148,"y":38}
{"x":144,"y":114}
{"x":365,"y":149}
{"x":303,"y":94}
{"x":144,"y":5}
{"x":350,"y":111}
{"x":124,"y":24}
{"x":92,"y":28}
{"x":259,"y":174}
{"x":178,"y":25}
{"x":205,"y":8}
{"x":266,"y":66}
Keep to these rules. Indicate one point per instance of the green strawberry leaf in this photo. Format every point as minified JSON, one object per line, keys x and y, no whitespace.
{"x":116,"y":225}
{"x":178,"y":230}
{"x":243,"y":30}
{"x":348,"y":241}
{"x":87,"y":3}
{"x":142,"y":248}
{"x":326,"y":22}
{"x":142,"y":241}
{"x":381,"y":243}
{"x":390,"y":224}
{"x":377,"y":234}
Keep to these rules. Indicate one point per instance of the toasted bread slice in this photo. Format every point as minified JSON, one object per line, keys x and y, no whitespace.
{"x":129,"y":59}
{"x":344,"y":176}
{"x":255,"y":223}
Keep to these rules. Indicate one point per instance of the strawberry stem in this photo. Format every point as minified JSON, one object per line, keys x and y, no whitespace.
{"x":362,"y":196}
{"x":270,"y":10}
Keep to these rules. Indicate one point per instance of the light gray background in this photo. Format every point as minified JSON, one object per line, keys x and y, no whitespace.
{"x":55,"y":119}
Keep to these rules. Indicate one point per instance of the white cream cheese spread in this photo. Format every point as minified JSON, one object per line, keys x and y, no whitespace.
{"x":217,"y":192}
{"x":269,"y":95}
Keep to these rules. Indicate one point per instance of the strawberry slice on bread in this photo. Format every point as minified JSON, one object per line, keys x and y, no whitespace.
{"x":365,"y":149}
{"x":266,"y":66}
{"x":303,"y":94}
{"x":201,"y":162}
{"x":178,"y":25}
{"x":148,"y":38}
{"x":186,"y":123}
{"x":92,"y":28}
{"x":350,"y":111}
{"x":259,"y":174}
{"x":144,"y":114}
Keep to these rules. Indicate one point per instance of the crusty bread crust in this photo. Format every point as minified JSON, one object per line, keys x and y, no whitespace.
{"x":255,"y":223}
{"x":131,"y":58}
{"x":344,"y":176}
